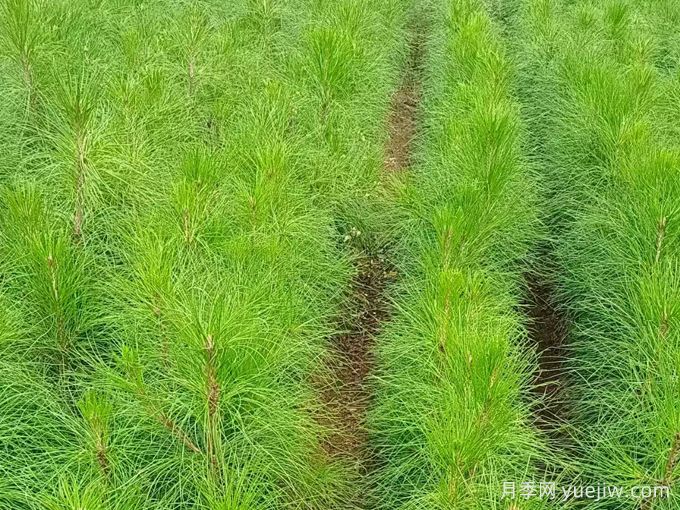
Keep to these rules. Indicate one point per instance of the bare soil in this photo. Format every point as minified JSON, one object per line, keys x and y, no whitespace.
{"x":548,"y":328}
{"x":353,"y":360}
{"x":403,"y":118}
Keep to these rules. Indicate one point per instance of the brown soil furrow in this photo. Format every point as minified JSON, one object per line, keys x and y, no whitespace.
{"x":352,"y":360}
{"x":403,"y":118}
{"x":548,"y":328}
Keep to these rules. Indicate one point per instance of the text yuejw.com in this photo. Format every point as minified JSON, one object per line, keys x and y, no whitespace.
{"x":550,"y":490}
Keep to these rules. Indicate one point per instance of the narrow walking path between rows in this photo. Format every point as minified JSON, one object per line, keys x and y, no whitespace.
{"x":548,"y":328}
{"x":368,"y":306}
{"x":353,"y":360}
{"x":403,"y":120}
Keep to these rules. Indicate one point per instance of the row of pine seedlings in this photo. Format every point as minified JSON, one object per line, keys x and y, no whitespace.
{"x":176,"y":178}
{"x":453,"y":420}
{"x":607,"y":78}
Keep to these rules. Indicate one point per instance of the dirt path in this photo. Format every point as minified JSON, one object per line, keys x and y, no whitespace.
{"x":368,"y":307}
{"x":353,"y":361}
{"x":403,"y":119}
{"x":548,"y":328}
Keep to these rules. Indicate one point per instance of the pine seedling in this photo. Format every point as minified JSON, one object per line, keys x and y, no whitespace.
{"x":74,"y":137}
{"x":22,"y":37}
{"x":47,"y":272}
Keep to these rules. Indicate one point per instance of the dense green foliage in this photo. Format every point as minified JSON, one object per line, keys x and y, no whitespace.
{"x":176,"y":179}
{"x":453,"y":420}
{"x":602,"y":82}
{"x":185,"y":188}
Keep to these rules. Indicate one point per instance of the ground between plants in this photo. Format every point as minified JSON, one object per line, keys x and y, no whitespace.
{"x":368,"y":307}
